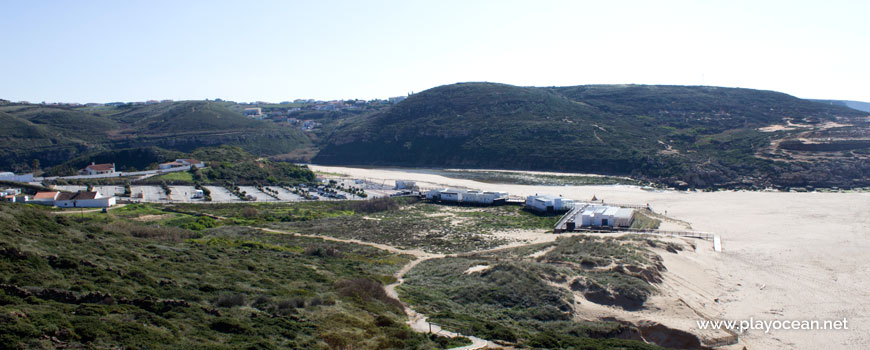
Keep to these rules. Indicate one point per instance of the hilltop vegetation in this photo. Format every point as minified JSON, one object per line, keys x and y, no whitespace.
{"x":56,"y":134}
{"x":683,"y":136}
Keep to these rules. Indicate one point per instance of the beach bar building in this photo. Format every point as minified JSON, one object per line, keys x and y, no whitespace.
{"x":470,"y":197}
{"x":604,"y":216}
{"x":549,"y":204}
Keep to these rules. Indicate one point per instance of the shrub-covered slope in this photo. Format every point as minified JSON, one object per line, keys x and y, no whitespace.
{"x":694,"y":136}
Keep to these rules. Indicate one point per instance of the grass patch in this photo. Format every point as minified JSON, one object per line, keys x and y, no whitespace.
{"x":175,"y":178}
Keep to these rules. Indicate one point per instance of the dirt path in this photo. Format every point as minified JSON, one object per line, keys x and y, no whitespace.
{"x":417,"y":321}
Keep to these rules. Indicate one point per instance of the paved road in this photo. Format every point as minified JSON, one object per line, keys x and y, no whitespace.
{"x":116,"y":174}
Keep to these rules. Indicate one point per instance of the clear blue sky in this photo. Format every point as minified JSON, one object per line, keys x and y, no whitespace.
{"x":100,"y":51}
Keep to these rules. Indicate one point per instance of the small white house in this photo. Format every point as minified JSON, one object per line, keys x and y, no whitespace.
{"x":83,"y":199}
{"x":548,"y":203}
{"x":98,"y":169}
{"x":44,"y":198}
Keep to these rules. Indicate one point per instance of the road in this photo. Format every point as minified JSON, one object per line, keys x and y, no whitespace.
{"x":115,"y":174}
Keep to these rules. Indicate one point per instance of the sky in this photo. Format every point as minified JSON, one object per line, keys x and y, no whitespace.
{"x":104,"y":51}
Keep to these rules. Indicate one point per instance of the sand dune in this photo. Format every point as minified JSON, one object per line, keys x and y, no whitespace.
{"x":787,"y":256}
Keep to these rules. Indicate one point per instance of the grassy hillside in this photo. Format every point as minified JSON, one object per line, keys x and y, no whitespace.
{"x":136,"y":279}
{"x":54,"y":134}
{"x":685,"y":136}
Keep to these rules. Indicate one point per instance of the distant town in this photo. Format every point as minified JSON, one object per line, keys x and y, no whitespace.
{"x":290,"y":112}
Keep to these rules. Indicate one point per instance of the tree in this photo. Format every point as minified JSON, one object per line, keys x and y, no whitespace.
{"x":35,"y":165}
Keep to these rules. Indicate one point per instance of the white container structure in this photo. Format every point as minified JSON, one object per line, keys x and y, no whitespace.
{"x":605,"y":216}
{"x":548,"y":203}
{"x":466,"y":196}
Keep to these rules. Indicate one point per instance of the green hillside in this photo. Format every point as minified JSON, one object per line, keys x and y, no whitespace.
{"x":682,"y":136}
{"x":57,"y":134}
{"x":111,"y":281}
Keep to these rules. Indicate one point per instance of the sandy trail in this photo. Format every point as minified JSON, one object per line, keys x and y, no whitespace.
{"x":787,"y":256}
{"x":417,"y":321}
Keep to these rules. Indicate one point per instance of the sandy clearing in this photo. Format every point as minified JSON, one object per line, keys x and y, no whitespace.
{"x":808,"y":250}
{"x":477,"y":268}
{"x":152,"y":217}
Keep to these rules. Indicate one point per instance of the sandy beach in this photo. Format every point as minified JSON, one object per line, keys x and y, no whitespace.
{"x":787,"y":256}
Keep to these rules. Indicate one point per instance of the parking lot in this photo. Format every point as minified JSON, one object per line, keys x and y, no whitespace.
{"x":260,"y":195}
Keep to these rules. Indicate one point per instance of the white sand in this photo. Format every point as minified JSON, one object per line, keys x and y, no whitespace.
{"x":787,"y":256}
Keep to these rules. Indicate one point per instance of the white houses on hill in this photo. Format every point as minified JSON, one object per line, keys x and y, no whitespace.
{"x":548,"y":203}
{"x":472,"y":197}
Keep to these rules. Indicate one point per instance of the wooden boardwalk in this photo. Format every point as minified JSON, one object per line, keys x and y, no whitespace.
{"x":562,"y":226}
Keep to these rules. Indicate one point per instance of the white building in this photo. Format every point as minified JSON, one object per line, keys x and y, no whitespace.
{"x":467,"y":196}
{"x":178,"y":163}
{"x":602,"y":216}
{"x":44,"y":198}
{"x":98,"y":169}
{"x":548,"y":203}
{"x":79,"y":199}
{"x":253,"y":112}
{"x":8,"y":176}
{"x":83,"y":200}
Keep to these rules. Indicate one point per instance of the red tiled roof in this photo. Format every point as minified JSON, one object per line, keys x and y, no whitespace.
{"x":76,"y":196}
{"x":191,"y":161}
{"x":45,"y":195}
{"x":101,"y":167}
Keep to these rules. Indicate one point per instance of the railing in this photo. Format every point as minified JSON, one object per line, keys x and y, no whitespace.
{"x":560,"y":225}
{"x":690,"y":234}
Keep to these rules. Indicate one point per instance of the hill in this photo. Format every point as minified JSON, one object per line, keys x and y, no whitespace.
{"x":111,"y":281}
{"x":56,"y":134}
{"x":861,"y":106}
{"x":683,"y":136}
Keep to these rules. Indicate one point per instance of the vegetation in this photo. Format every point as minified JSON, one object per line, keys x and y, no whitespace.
{"x":702,"y":137}
{"x":426,"y":226}
{"x":127,"y":135}
{"x":228,"y":164}
{"x":642,"y":221}
{"x":515,"y":298}
{"x":73,"y":283}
